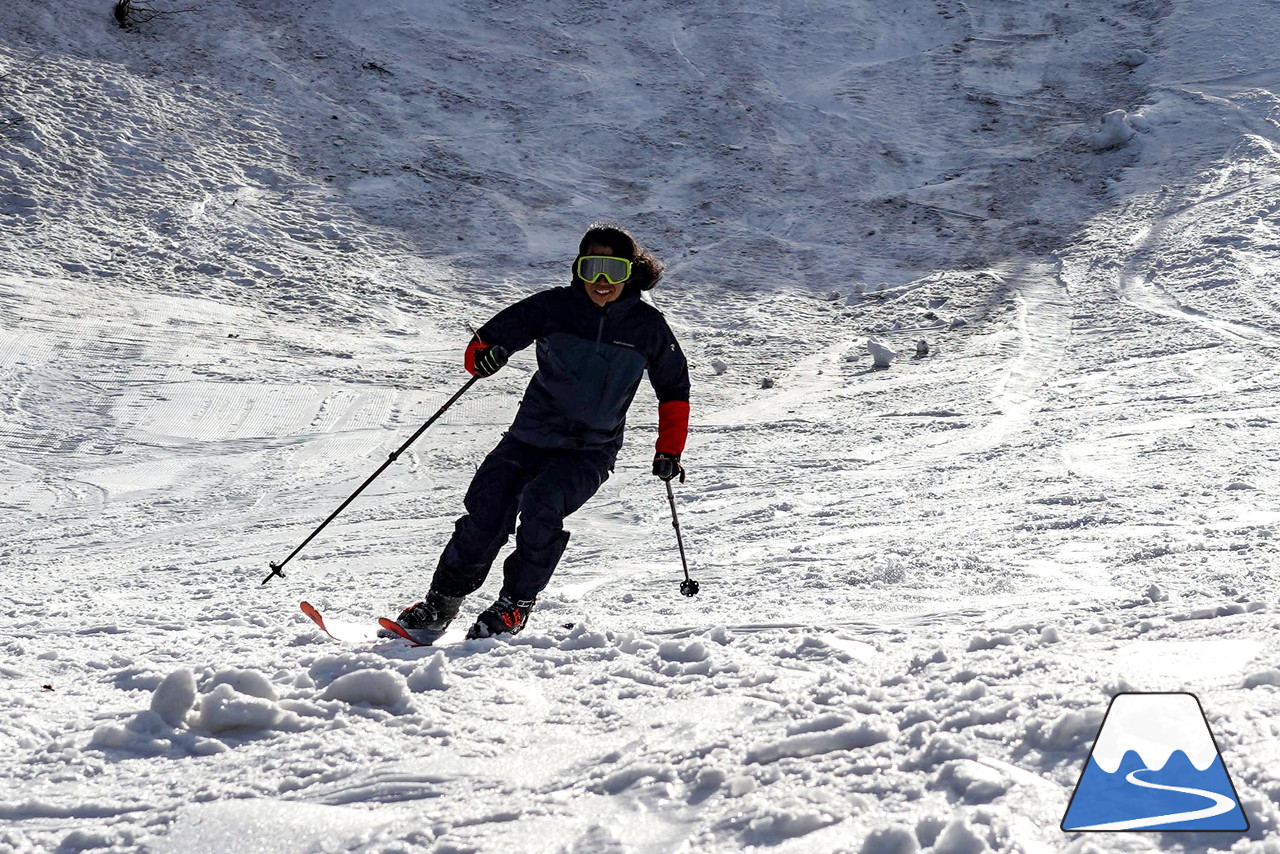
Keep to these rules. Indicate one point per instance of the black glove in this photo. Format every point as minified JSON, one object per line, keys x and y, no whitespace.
{"x":667,"y":466}
{"x":489,"y":360}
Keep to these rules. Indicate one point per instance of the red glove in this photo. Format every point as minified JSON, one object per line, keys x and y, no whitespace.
{"x":483,"y":360}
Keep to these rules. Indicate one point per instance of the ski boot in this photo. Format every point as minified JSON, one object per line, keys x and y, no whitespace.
{"x":506,"y":616}
{"x":426,"y":621}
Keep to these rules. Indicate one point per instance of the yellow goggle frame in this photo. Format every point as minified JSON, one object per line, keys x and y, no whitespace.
{"x":590,"y":268}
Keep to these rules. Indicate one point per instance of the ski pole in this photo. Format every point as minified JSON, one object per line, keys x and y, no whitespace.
{"x":688,"y":587}
{"x":276,"y":567}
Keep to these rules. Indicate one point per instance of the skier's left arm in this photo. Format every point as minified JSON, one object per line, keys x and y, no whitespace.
{"x":669,"y":374}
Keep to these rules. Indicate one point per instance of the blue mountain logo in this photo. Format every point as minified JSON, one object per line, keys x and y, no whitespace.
{"x":1155,"y":766}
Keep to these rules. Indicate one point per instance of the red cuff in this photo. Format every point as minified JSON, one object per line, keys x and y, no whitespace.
{"x":673,"y":426}
{"x":469,"y":359}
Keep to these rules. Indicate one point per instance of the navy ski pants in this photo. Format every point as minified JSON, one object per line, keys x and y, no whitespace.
{"x":542,"y":486}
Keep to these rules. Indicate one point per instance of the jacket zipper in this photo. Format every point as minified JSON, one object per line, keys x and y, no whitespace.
{"x":604,"y":314}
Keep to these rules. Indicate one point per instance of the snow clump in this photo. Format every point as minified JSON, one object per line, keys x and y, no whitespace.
{"x":250,"y":682}
{"x":972,"y":782}
{"x":1265,"y":677}
{"x":175,"y":697}
{"x":981,"y":642}
{"x":370,"y":687}
{"x":890,"y":840}
{"x":583,"y":637}
{"x":881,"y":356}
{"x":1133,"y":58}
{"x":677,"y":651}
{"x":788,"y":820}
{"x":1115,"y":132}
{"x":958,"y":837}
{"x":225,"y":709}
{"x":812,"y":744}
{"x":237,"y":701}
{"x":432,"y":676}
{"x":1067,"y":731}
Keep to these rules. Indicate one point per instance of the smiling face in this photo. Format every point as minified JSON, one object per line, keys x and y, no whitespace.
{"x":601,"y":292}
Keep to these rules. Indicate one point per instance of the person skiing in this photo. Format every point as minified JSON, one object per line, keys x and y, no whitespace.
{"x":595,"y":340}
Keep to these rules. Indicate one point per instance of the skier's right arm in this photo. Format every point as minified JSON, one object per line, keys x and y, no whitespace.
{"x":510,"y":330}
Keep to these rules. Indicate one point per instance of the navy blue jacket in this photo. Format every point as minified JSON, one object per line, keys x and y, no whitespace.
{"x":590,"y":362}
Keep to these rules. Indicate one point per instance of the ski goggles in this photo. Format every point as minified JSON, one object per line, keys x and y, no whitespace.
{"x":591,"y":267}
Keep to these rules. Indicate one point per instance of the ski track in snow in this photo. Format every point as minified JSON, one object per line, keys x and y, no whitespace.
{"x":240,"y":249}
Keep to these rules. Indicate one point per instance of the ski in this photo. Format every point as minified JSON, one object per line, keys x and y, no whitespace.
{"x":348,"y":632}
{"x":400,"y":631}
{"x":386,"y":630}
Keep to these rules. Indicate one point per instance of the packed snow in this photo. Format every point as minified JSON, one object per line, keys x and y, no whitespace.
{"x":979,"y":302}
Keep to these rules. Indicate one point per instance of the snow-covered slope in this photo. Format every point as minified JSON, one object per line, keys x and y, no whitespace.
{"x":239,"y":247}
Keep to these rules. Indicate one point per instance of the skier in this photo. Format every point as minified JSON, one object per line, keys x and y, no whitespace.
{"x":595,"y":339}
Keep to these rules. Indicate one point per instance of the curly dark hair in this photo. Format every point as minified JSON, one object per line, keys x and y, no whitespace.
{"x":646,"y":269}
